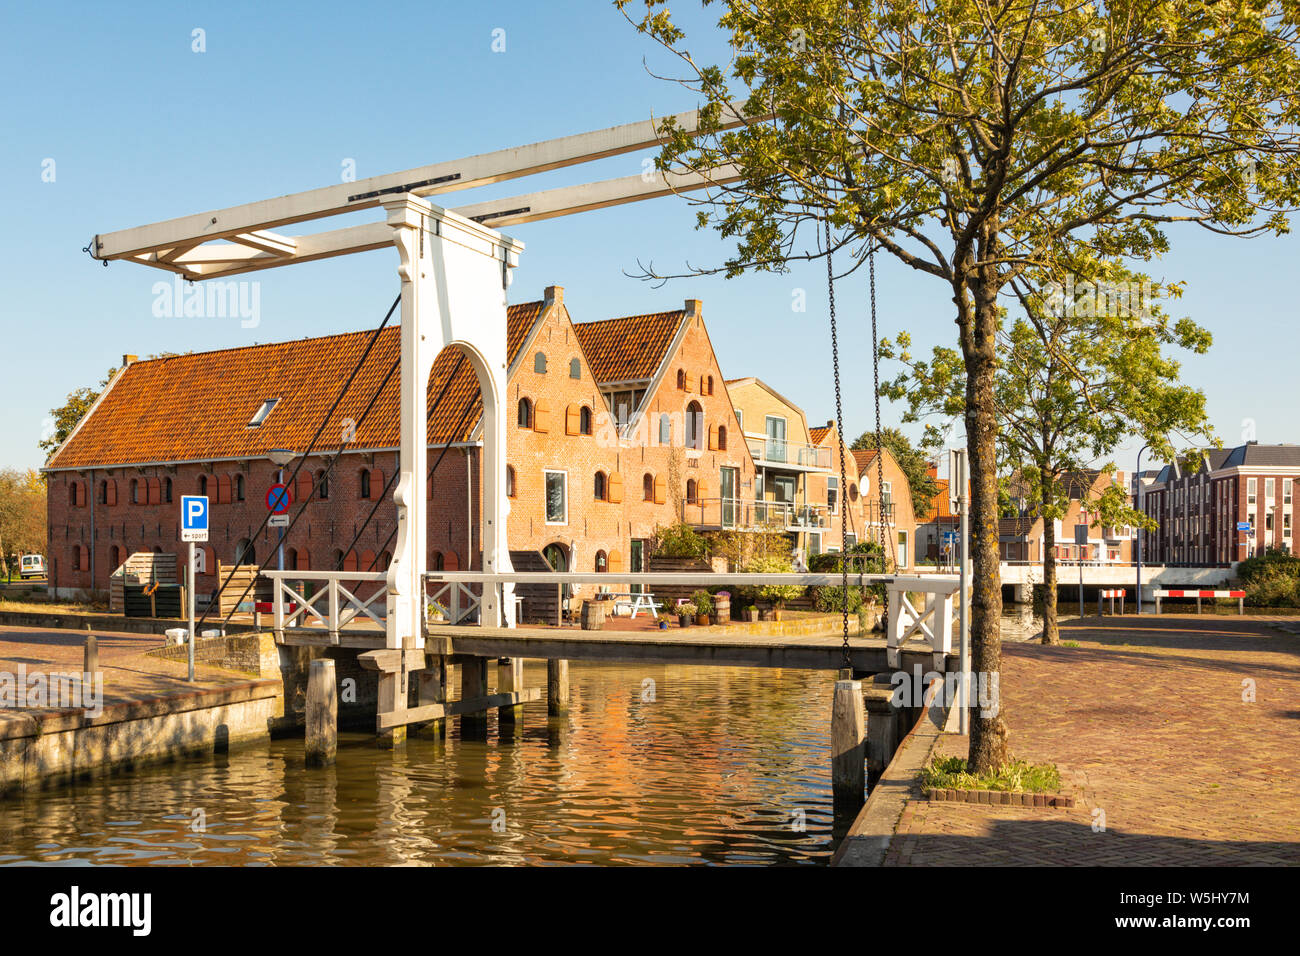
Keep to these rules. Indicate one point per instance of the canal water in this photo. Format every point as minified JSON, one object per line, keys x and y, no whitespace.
{"x":653,"y":765}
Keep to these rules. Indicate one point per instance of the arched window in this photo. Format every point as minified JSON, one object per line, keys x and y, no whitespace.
{"x":602,"y":489}
{"x":722,"y":438}
{"x":584,"y":420}
{"x":135,"y":491}
{"x":539,"y":363}
{"x":76,"y":557}
{"x":602,"y":562}
{"x":648,"y":487}
{"x":385,"y":560}
{"x":710,"y":391}
{"x":694,"y":426}
{"x":691,"y":490}
{"x":681,"y":379}
{"x":167,"y":490}
{"x":244,"y":552}
{"x":439,"y":562}
{"x":665,"y":429}
{"x":203,"y":485}
{"x":510,"y":481}
{"x":239,"y":487}
{"x":114,"y":557}
{"x":72,"y":493}
{"x":365,"y":483}
{"x":102,"y":495}
{"x":525,"y":413}
{"x":338,"y":560}
{"x":322,"y":485}
{"x":575,"y":368}
{"x":291,"y":559}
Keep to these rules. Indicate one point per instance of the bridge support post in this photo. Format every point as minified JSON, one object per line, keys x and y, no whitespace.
{"x":557,"y":688}
{"x":1022,"y":594}
{"x":474,"y":684}
{"x":322,"y":714}
{"x":848,"y":743}
{"x":510,"y":679}
{"x":433,"y":690}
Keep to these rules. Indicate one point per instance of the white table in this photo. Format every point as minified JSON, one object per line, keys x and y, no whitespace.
{"x":638,"y":601}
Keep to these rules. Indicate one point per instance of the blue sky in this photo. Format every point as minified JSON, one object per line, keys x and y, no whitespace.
{"x":141,"y":128}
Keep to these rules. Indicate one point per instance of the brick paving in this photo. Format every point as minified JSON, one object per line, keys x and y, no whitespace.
{"x":1147,"y":723}
{"x":129,"y":674}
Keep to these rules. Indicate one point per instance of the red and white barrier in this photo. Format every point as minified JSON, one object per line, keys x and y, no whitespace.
{"x":1111,"y":593}
{"x":1239,"y":595}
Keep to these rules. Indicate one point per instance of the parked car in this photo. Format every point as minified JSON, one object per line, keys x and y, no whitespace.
{"x":32,"y":566}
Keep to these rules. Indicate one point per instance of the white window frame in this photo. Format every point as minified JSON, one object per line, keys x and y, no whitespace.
{"x":546,"y":495}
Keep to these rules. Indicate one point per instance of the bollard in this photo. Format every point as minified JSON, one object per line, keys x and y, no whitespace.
{"x":557,"y":688}
{"x":848,"y":742}
{"x":91,"y":660}
{"x":322,"y":714}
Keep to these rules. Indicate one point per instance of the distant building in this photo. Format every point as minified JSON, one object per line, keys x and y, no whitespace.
{"x":1023,"y":538}
{"x":1237,"y":503}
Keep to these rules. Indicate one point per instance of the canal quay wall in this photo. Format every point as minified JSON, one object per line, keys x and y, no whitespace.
{"x":51,"y":747}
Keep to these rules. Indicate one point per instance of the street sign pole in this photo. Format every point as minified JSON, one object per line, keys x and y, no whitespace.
{"x":189,"y":579}
{"x":194,"y":527}
{"x":279,"y":532}
{"x":957,"y":490}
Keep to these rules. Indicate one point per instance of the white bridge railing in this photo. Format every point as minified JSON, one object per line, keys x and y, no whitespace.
{"x":342,"y":598}
{"x":931,"y":621}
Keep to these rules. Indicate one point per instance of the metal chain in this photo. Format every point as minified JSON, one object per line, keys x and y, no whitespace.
{"x":880,"y":445}
{"x":839,"y":428}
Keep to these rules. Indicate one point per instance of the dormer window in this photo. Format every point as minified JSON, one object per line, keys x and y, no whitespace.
{"x":262,"y":412}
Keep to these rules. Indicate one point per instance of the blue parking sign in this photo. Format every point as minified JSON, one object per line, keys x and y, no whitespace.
{"x":194,"y":518}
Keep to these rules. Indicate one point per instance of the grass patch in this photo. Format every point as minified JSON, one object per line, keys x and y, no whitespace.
{"x":949,"y":773}
{"x":1069,"y":643}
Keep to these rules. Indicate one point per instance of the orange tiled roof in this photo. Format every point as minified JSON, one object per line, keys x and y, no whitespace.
{"x":630,"y":348}
{"x":197,"y":407}
{"x":864,"y":457}
{"x":819,"y":433}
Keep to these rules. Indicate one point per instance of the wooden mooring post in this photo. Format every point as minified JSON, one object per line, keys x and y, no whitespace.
{"x":90,"y":663}
{"x":432,"y":686}
{"x":510,"y":680}
{"x":322,"y":714}
{"x":557,"y":688}
{"x":473,"y":685}
{"x":848,"y":743}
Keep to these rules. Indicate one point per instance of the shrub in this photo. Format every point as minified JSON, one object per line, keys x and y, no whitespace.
{"x":685,"y":609}
{"x":678,"y":541}
{"x":776,"y":593}
{"x":1273,"y":562}
{"x":703,"y":602}
{"x":1273,"y":588}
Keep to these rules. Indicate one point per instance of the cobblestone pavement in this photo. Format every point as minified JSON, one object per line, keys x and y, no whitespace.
{"x":1150,"y":723}
{"x":129,"y":673}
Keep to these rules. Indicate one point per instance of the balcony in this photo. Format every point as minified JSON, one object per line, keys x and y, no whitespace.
{"x":874,"y":508}
{"x":787,"y":454}
{"x":741,"y":515}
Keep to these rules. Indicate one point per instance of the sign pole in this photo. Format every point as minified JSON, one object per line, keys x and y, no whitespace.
{"x":189,"y":579}
{"x":957,"y":483}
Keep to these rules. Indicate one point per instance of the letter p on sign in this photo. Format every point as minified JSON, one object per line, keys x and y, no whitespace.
{"x":194,"y":518}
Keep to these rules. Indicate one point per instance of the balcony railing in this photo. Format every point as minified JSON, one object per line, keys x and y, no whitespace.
{"x":796,"y":454}
{"x":742,"y":514}
{"x":873,"y":511}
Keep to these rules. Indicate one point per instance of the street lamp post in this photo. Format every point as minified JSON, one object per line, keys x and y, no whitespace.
{"x":1139,"y":535}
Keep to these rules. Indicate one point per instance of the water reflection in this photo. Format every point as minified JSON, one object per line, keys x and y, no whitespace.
{"x":653,"y":765}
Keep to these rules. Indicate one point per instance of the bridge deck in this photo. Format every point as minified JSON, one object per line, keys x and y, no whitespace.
{"x":747,"y":650}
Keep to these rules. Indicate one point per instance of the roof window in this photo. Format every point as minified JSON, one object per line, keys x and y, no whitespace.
{"x":260,"y":415}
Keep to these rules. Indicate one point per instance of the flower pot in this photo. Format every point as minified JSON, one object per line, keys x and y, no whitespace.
{"x":752,"y":616}
{"x":765,"y":614}
{"x":702,"y":620}
{"x":663,"y":625}
{"x":721,"y":609}
{"x":683,"y":620}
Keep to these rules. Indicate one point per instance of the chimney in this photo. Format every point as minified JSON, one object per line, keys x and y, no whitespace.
{"x":554,"y":295}
{"x":128,"y":359}
{"x":932,"y":469}
{"x":694,"y":308}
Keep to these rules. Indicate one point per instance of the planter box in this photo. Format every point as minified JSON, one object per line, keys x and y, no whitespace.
{"x":752,"y":616}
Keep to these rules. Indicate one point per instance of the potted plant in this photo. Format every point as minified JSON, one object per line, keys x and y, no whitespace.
{"x":751,"y":614}
{"x":703,"y":602}
{"x":685,"y":614}
{"x":663,"y":624}
{"x":722,"y":607}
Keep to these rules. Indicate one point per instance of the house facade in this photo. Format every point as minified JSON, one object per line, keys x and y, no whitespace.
{"x":1238,"y":503}
{"x":618,"y":427}
{"x":1022,"y":537}
{"x":887,"y":495}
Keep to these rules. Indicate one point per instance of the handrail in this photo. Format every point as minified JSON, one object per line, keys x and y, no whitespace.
{"x":938,"y":583}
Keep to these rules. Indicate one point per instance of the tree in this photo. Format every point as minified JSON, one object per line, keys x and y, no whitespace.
{"x":981,"y":144}
{"x":914,"y":464}
{"x":71,"y":412}
{"x":22,"y":514}
{"x":1078,"y":377}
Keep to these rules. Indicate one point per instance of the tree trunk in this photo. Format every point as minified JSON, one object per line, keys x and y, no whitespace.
{"x":1051,"y":626}
{"x":988,"y":732}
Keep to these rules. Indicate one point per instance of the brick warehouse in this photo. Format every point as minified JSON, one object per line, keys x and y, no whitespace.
{"x":621,"y":426}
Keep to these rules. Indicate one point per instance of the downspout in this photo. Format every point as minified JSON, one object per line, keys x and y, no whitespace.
{"x":469,"y":508}
{"x":90,"y":493}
